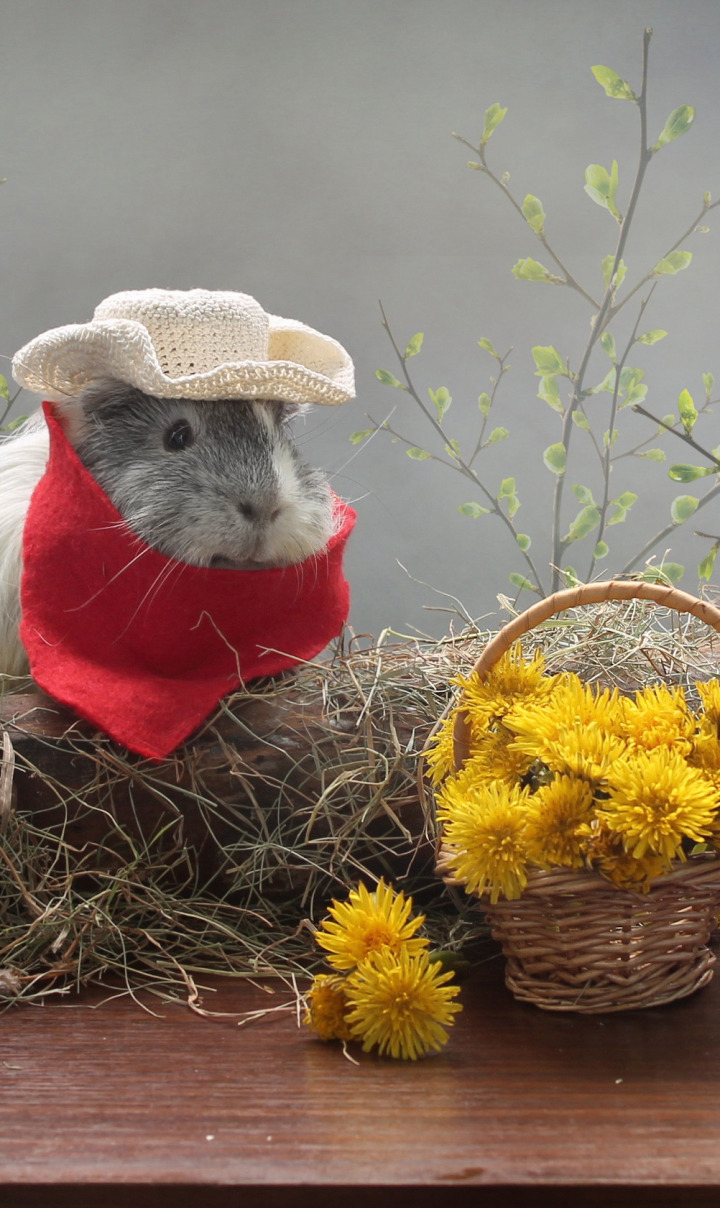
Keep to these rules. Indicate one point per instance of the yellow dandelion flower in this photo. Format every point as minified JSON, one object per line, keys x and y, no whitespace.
{"x":587,"y":752}
{"x":440,"y":756}
{"x":494,"y":758}
{"x":608,"y":856}
{"x":484,"y":837}
{"x":656,"y":717}
{"x":710,"y":696}
{"x":556,"y":814}
{"x":327,"y":1007}
{"x":369,"y":922}
{"x":489,"y":697}
{"x":401,"y":1004}
{"x":655,"y":800}
{"x":706,"y":750}
{"x":572,"y":708}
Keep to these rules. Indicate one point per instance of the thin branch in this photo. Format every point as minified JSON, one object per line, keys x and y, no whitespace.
{"x":385,"y":427}
{"x":665,"y":532}
{"x":460,"y":465}
{"x":570,"y":280}
{"x":692,"y":230}
{"x":684,"y":436}
{"x":613,"y":412}
{"x":601,"y":318}
{"x":503,"y":369}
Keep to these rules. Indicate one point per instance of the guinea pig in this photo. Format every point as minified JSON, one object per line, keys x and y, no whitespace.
{"x":212,"y":483}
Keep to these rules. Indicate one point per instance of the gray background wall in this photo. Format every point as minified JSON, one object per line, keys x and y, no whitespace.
{"x":300,"y":150}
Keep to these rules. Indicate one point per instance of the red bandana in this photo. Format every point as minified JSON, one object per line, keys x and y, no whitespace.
{"x":141,"y":645}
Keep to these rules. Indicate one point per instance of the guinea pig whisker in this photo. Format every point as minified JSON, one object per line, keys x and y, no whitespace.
{"x":141,"y":554}
{"x":159,"y":581}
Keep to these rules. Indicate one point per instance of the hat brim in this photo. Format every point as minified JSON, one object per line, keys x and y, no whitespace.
{"x":303,"y":366}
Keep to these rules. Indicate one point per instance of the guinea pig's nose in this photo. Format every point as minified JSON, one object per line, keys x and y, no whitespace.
{"x":252,"y":511}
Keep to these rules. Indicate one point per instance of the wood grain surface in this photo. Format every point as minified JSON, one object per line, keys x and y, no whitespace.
{"x":103,"y":1103}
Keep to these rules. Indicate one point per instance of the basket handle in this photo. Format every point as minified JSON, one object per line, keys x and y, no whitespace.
{"x":571,"y":597}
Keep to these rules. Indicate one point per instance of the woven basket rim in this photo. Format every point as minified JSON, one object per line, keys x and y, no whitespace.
{"x":574,"y":597}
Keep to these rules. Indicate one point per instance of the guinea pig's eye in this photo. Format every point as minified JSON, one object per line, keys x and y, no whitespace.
{"x":179,"y":436}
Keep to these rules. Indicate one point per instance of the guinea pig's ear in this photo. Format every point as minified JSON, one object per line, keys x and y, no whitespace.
{"x":72,"y":417}
{"x":284,"y":412}
{"x":75,"y":412}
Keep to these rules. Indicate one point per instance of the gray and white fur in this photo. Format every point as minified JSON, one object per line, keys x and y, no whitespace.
{"x":217,"y":484}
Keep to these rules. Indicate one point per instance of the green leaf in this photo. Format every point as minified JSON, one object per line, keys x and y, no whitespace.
{"x":626,"y":500}
{"x":496,"y":435}
{"x":507,"y":492}
{"x":653,"y":455}
{"x":601,"y":550}
{"x":414,"y":346}
{"x":4,"y":389}
{"x":607,"y":266}
{"x":607,"y":340}
{"x":441,"y":400}
{"x":549,"y":391}
{"x":418,"y":454}
{"x":473,"y":509}
{"x":651,"y":337}
{"x":532,"y":270}
{"x":19,"y":419}
{"x":523,"y":541}
{"x":602,"y":186}
{"x":493,"y":117}
{"x":555,"y":458}
{"x":673,"y":571}
{"x":688,"y":412}
{"x":674,"y":263}
{"x":584,"y":494}
{"x":613,"y":84}
{"x":610,"y":438}
{"x":453,"y":449}
{"x":622,"y":506}
{"x":587,"y":519}
{"x":521,"y":582}
{"x":547,"y":360}
{"x":607,"y":384}
{"x":705,"y":569}
{"x":488,"y":346}
{"x":679,"y":122}
{"x":570,"y":576}
{"x":485,"y":403}
{"x":631,"y":381}
{"x":388,"y":379}
{"x":534,"y":214}
{"x":708,"y":383}
{"x":357,"y":437}
{"x":687,"y":473}
{"x":683,"y":507}
{"x":581,"y":420}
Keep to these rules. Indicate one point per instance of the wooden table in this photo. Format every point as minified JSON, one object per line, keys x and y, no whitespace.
{"x":104,"y":1104}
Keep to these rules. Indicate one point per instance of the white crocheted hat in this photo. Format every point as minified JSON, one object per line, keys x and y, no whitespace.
{"x":196,"y":343}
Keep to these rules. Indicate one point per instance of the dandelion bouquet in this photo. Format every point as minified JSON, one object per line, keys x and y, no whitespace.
{"x":567,"y":775}
{"x":569,"y":794}
{"x":386,"y":991}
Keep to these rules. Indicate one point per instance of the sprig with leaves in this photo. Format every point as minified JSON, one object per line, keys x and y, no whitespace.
{"x":567,"y":389}
{"x":5,"y":401}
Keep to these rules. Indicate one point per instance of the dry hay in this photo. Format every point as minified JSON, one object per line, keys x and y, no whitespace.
{"x":235,"y":894}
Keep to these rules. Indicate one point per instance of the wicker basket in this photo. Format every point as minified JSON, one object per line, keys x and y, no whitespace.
{"x":573,"y":942}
